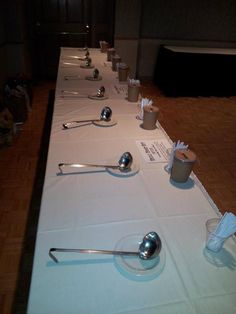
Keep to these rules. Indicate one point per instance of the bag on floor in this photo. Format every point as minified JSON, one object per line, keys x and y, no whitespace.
{"x":6,"y":126}
{"x":17,"y":100}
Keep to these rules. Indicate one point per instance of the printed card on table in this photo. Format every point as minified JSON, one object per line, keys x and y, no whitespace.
{"x":119,"y":89}
{"x":154,"y":150}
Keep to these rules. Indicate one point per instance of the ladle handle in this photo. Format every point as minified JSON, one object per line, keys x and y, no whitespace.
{"x":72,"y":77}
{"x":67,"y":124}
{"x":70,"y":93}
{"x":61,"y":165}
{"x":89,"y":251}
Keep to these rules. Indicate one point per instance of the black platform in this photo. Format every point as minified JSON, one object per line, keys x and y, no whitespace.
{"x":192,"y":71}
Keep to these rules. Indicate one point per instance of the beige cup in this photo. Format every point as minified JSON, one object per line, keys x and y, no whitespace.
{"x":150,"y":114}
{"x":133,"y":93}
{"x":123,"y":71}
{"x":104,"y":46}
{"x":115,"y":59}
{"x":184,"y":160}
{"x":110,"y":52}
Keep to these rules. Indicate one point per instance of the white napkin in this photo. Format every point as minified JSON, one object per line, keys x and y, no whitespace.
{"x":133,"y":82}
{"x":178,"y":145}
{"x":121,"y":65}
{"x":144,"y":102}
{"x":225,"y":228}
{"x":102,"y":42}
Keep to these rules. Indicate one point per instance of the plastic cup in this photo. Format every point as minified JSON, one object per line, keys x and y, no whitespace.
{"x":104,"y":46}
{"x":214,"y":243}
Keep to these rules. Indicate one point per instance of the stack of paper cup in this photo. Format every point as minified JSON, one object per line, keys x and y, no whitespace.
{"x":123,"y":71}
{"x":150,"y":114}
{"x":184,"y":160}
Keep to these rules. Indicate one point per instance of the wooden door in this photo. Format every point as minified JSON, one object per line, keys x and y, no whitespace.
{"x":66,"y":23}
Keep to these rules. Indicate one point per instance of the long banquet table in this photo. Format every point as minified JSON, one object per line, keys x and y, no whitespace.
{"x":100,"y":209}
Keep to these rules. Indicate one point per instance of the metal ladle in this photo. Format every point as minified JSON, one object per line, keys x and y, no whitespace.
{"x":105,"y":115}
{"x":149,"y":248}
{"x":124,"y":164}
{"x":85,"y":57}
{"x":87,"y":54}
{"x":88,"y":61}
{"x":101,"y":92}
{"x":95,"y":73}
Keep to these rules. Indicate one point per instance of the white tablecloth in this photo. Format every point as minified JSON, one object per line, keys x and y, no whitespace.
{"x":95,"y":209}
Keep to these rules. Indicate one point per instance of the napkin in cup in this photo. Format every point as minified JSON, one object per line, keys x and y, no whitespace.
{"x":144,"y":102}
{"x":121,"y":65}
{"x":133,"y":82}
{"x":225,"y":229}
{"x":178,"y":145}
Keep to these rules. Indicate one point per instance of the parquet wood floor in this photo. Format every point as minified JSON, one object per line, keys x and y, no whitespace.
{"x":208,"y":125}
{"x":20,"y":192}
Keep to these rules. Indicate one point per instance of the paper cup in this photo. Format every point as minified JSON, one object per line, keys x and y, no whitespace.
{"x":104,"y":46}
{"x":133,"y":93}
{"x":183,"y":163}
{"x":123,"y":71}
{"x":115,"y":59}
{"x":150,"y":114}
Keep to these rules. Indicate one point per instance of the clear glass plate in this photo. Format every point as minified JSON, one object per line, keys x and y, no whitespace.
{"x":95,"y":97}
{"x":133,"y":264}
{"x":127,"y":173}
{"x":84,"y":66}
{"x":91,"y":78}
{"x":102,"y":123}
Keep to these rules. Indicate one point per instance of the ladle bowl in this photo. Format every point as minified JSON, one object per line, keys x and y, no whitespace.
{"x":88,"y":62}
{"x":101,"y":92}
{"x":106,"y":114}
{"x":95,"y":73}
{"x":125,"y":161}
{"x":149,"y":248}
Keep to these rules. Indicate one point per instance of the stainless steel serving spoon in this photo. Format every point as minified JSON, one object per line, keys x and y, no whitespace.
{"x":72,"y":77}
{"x":149,"y":248}
{"x":86,"y":56}
{"x":105,"y":115}
{"x":100,"y":93}
{"x":88,"y":61}
{"x":124,"y":164}
{"x":95,"y":73}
